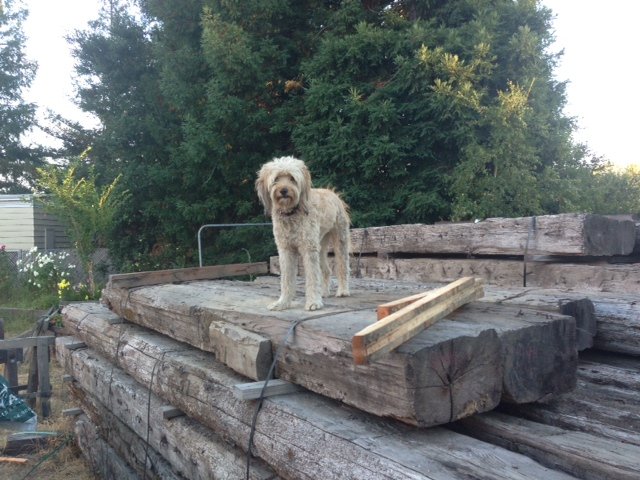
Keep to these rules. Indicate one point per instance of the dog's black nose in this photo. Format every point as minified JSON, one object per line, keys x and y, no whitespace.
{"x":284,"y":192}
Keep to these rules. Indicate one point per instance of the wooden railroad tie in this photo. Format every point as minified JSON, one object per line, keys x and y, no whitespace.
{"x":144,"y":279}
{"x":402,"y":319}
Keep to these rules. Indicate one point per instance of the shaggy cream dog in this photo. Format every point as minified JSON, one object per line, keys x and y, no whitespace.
{"x":305,"y":222}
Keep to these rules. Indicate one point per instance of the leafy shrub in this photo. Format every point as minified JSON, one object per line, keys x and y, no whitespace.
{"x":44,"y":272}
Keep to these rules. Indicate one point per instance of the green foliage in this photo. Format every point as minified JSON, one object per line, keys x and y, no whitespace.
{"x":44,"y":272}
{"x":417,"y":111}
{"x":7,"y":273}
{"x":33,"y":282}
{"x":87,"y":209}
{"x":17,"y":162}
{"x":615,"y":192}
{"x":436,"y":111}
{"x":121,"y":87}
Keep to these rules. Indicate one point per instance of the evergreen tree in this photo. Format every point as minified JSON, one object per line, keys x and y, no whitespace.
{"x":417,"y":110}
{"x":430,"y":110}
{"x":120,"y":84}
{"x":17,"y":162}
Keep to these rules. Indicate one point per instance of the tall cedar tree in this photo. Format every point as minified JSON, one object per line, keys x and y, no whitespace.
{"x":430,"y":110}
{"x":120,"y":84}
{"x":417,"y":110}
{"x":17,"y":162}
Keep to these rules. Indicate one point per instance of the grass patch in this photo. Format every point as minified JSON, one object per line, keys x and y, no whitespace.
{"x":19,"y":320}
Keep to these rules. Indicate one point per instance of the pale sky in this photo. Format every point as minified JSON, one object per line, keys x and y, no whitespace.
{"x":600,"y":42}
{"x":599,"y":62}
{"x":48,"y":24}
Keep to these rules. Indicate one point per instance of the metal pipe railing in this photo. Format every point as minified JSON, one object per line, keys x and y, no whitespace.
{"x":223,"y":225}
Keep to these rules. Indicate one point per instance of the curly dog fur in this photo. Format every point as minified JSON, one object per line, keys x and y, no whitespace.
{"x":305,"y":222}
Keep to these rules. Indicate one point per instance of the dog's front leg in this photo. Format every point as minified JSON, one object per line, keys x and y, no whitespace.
{"x":288,"y":273}
{"x":313,"y":280}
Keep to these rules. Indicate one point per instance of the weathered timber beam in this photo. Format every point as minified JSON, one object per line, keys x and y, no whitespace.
{"x":605,"y":402}
{"x":415,"y":315}
{"x":565,"y":234}
{"x":246,"y":352}
{"x":348,"y":444}
{"x":179,"y":447}
{"x":104,"y":460}
{"x":614,"y":321}
{"x":538,"y":349}
{"x":584,"y":455}
{"x":319,"y":356}
{"x":139,"y":279}
{"x":432,"y":379}
{"x":601,"y":276}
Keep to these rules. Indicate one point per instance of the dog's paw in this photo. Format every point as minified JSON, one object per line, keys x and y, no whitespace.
{"x":317,"y":305}
{"x":279,"y":305}
{"x":343,"y":293}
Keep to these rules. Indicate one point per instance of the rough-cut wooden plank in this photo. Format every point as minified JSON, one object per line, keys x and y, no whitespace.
{"x":139,"y":279}
{"x":13,"y":460}
{"x":178,"y":448}
{"x":388,"y":333}
{"x":244,"y":351}
{"x":104,"y":461}
{"x":254,"y":390}
{"x":386,"y":309}
{"x":304,"y":436}
{"x":597,"y":276}
{"x":581,"y":454}
{"x":566,"y":234}
{"x":454,"y":372}
{"x":605,"y":402}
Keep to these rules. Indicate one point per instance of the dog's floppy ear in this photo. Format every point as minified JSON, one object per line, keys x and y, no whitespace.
{"x":305,"y":188}
{"x":262,"y":189}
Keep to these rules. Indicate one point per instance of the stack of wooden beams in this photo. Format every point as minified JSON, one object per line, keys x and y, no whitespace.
{"x":586,"y":252}
{"x":493,"y":388}
{"x":128,"y":376}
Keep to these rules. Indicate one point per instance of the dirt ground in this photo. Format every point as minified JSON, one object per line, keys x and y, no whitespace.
{"x":62,"y":459}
